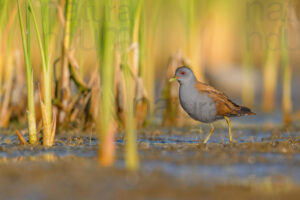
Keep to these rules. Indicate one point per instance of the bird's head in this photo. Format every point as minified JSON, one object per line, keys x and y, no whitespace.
{"x":184,"y":75}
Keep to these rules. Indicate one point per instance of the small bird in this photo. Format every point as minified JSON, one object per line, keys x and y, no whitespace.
{"x":204,"y":103}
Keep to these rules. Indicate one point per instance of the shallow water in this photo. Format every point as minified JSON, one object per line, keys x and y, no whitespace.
{"x":258,"y":153}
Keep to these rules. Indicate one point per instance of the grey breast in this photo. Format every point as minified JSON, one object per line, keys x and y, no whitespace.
{"x":199,"y":106}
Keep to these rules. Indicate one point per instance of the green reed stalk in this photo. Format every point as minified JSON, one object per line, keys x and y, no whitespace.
{"x":3,"y":18}
{"x":3,"y":13}
{"x":143,"y":101}
{"x":105,"y":122}
{"x":29,"y":76}
{"x":131,"y":155}
{"x":75,"y":7}
{"x":46,"y":104}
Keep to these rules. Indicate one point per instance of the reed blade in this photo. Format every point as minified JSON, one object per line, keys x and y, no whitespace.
{"x":29,"y":77}
{"x":105,"y":121}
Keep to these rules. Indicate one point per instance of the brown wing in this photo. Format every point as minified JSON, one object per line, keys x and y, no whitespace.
{"x":225,"y":107}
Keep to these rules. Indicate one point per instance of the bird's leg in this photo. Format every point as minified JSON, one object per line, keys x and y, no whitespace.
{"x":212,"y":128}
{"x":229,"y":128}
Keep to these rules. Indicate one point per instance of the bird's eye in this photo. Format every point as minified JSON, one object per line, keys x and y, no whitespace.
{"x":182,"y":73}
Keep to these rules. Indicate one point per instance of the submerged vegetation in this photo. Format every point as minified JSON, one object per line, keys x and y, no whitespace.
{"x":104,"y":64}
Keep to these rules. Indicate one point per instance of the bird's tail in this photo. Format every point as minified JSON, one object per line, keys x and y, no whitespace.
{"x":246,"y":111}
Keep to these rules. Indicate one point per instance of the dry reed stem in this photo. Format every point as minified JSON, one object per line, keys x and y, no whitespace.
{"x":141,"y":102}
{"x":119,"y":91}
{"x":47,"y":125}
{"x":21,"y":138}
{"x":64,"y":89}
{"x":73,"y":68}
{"x":61,"y":16}
{"x":64,"y":84}
{"x":93,"y":102}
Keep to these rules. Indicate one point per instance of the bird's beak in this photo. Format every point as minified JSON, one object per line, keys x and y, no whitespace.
{"x":173,"y":79}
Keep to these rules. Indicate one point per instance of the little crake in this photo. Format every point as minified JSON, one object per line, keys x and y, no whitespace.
{"x":204,"y":103}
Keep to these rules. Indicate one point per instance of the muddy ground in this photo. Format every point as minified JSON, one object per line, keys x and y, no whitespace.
{"x":262,"y":163}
